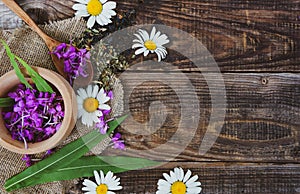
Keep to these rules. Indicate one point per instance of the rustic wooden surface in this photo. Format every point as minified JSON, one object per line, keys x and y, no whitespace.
{"x":256,"y":44}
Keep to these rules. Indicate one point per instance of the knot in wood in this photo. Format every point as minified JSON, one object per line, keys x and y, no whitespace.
{"x":264,"y":80}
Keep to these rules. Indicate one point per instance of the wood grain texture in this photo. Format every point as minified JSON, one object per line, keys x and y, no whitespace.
{"x":256,"y":44}
{"x":241,"y":35}
{"x":261,"y":124}
{"x":221,"y":178}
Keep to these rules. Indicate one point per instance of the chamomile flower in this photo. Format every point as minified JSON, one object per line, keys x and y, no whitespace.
{"x":179,"y":183}
{"x":104,"y":184}
{"x":99,"y":11}
{"x":91,"y":102}
{"x":152,"y":43}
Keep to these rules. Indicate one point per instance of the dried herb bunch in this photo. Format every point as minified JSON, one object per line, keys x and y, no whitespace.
{"x":92,"y":36}
{"x":104,"y":58}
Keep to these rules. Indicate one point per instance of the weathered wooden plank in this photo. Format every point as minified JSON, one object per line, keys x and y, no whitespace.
{"x":221,"y":178}
{"x":241,"y":35}
{"x":261,"y":121}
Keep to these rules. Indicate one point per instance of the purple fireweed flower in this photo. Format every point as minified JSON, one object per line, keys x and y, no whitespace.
{"x":35,"y":116}
{"x":74,"y":60}
{"x":117,"y":142}
{"x":102,"y":125}
{"x":27,"y":159}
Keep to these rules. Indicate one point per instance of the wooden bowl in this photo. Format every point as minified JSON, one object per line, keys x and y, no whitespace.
{"x":9,"y":81}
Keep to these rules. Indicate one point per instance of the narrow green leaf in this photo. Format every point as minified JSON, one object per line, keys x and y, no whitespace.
{"x":40,"y":83}
{"x":84,"y":167}
{"x":15,"y":65}
{"x":6,"y":102}
{"x":63,"y":157}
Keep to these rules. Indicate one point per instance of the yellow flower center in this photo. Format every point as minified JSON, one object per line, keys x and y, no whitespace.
{"x":178,"y":188}
{"x":102,"y":189}
{"x":90,"y":104}
{"x":150,"y":45}
{"x":94,"y":7}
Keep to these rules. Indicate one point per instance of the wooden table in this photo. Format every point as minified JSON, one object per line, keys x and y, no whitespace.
{"x":256,"y":45}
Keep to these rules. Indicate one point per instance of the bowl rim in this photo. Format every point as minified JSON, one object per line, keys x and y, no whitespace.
{"x":67,"y":125}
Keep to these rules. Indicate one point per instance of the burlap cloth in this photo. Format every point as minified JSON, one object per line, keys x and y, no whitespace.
{"x":30,"y":47}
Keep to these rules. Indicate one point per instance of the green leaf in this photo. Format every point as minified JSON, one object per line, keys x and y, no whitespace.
{"x":6,"y":102}
{"x":84,"y":167}
{"x":63,"y":157}
{"x":40,"y":83}
{"x":15,"y":65}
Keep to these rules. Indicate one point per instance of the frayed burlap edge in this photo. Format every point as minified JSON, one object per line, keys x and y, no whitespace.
{"x":29,"y":46}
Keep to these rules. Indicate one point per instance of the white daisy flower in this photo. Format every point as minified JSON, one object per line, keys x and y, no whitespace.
{"x":90,"y":103}
{"x":178,"y":183}
{"x":104,"y":184}
{"x":100,"y":11}
{"x":152,"y":43}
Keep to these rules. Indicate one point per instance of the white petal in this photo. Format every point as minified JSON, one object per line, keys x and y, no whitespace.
{"x":110,"y":5}
{"x":82,"y":93}
{"x":79,"y":99}
{"x":98,"y":113}
{"x":91,"y":21}
{"x":162,"y":192}
{"x":156,"y":36}
{"x":89,"y":183}
{"x":164,"y":189}
{"x":163,"y":50}
{"x":102,"y":176}
{"x":164,"y":183}
{"x":104,"y":107}
{"x":181,"y":174}
{"x":187,"y":176}
{"x":80,"y":113}
{"x":110,"y":192}
{"x":99,"y":21}
{"x":158,"y":56}
{"x":102,"y":98}
{"x":195,"y":184}
{"x":102,"y":20}
{"x":108,"y":177}
{"x":82,"y":13}
{"x":84,"y":118}
{"x":146,"y":53}
{"x":87,"y":120}
{"x":89,"y":90}
{"x":109,"y":12}
{"x":95,"y":91}
{"x":137,"y":45}
{"x":194,"y":190}
{"x":153,"y":31}
{"x":139,"y":51}
{"x":78,"y":6}
{"x":163,"y":39}
{"x":140,"y":40}
{"x":115,"y":188}
{"x":191,"y":180}
{"x":94,"y":118}
{"x":82,"y":1}
{"x":173,"y":177}
{"x":91,"y":192}
{"x":96,"y":174}
{"x":144,"y":34}
{"x":86,"y":189}
{"x":167,"y":177}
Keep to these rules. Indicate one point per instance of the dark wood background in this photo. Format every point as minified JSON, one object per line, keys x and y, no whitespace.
{"x":256,"y":45}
